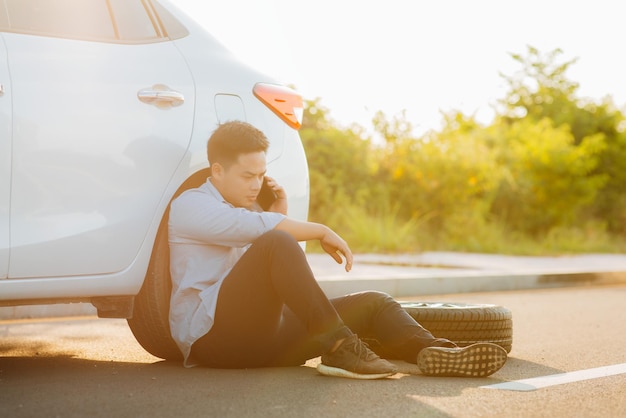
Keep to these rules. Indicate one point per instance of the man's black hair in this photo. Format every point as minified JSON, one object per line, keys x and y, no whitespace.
{"x":232,"y":139}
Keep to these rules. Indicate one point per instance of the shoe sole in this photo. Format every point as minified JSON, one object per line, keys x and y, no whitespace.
{"x":337,"y":372}
{"x":477,"y":360}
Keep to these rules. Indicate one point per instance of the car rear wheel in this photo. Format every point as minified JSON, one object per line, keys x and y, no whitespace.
{"x":150,"y":320}
{"x":464,"y":324}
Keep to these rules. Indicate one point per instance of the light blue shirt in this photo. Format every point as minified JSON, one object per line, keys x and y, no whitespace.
{"x":207,"y":236}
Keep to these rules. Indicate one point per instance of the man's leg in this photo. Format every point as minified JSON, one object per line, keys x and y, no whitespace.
{"x":273,"y":273}
{"x":375,"y":315}
{"x":247,"y":332}
{"x":371,"y":315}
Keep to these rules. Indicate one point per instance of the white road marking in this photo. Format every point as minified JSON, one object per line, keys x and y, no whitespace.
{"x":526,"y":385}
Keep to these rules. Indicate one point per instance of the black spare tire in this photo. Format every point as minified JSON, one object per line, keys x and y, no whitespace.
{"x":464,"y":324}
{"x":150,"y":320}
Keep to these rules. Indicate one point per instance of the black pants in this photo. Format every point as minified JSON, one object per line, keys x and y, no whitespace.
{"x":272,"y":312}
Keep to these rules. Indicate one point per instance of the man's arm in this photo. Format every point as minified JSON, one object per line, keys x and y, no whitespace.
{"x":332,"y":243}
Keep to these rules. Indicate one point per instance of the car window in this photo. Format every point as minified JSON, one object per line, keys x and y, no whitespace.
{"x":173,"y":28}
{"x":80,"y":19}
{"x":132,"y":21}
{"x":121,"y":21}
{"x":4,"y":20}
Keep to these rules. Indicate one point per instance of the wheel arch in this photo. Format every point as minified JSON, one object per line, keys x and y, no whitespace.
{"x":149,"y":321}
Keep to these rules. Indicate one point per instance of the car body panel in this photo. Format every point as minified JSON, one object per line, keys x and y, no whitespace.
{"x":5,"y":159}
{"x":90,"y":161}
{"x":86,"y":208}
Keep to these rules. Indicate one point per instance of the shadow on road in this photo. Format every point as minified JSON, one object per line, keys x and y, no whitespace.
{"x":62,"y":384}
{"x":76,"y":368}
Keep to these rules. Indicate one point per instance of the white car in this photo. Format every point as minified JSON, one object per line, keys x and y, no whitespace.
{"x":105,"y":111}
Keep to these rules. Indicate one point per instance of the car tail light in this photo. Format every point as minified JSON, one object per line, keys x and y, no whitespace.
{"x":281,"y":100}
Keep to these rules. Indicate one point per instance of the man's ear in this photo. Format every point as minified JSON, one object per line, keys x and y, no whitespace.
{"x":217,"y":170}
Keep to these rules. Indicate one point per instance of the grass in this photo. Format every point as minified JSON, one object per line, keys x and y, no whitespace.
{"x":387,"y":233}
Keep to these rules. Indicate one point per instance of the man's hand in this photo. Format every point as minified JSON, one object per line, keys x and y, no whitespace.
{"x":280,"y":204}
{"x":334,"y":245}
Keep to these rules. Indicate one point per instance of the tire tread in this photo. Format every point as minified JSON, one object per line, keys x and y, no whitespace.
{"x":465,"y":324}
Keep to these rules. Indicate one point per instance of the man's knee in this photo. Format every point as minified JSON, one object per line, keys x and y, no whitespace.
{"x":381,"y":297}
{"x":276,"y":238}
{"x":374,"y":298}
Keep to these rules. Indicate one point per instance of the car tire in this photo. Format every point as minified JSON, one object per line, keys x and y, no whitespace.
{"x":150,"y":321}
{"x":464,"y":324}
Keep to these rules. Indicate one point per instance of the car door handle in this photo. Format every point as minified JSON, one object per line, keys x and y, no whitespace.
{"x":161,"y":96}
{"x":1,"y":90}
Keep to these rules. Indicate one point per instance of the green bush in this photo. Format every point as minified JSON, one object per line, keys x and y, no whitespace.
{"x":339,"y":164}
{"x":549,"y":180}
{"x":548,"y":175}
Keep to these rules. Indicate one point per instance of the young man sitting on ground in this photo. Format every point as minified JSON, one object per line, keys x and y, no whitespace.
{"x":244,"y":295}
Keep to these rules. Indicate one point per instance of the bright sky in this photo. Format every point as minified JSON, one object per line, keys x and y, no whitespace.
{"x":422,"y":57}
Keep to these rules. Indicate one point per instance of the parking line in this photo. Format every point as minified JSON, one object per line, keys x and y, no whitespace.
{"x":526,"y":385}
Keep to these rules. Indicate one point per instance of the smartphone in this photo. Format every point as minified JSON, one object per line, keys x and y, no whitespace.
{"x":266,"y":196}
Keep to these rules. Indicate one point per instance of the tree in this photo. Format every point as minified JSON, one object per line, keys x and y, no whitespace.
{"x":446,"y":177}
{"x":541,"y":90}
{"x":339,"y":163}
{"x":548,"y":180}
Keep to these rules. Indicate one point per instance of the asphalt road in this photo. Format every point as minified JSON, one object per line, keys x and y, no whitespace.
{"x":81,"y":367}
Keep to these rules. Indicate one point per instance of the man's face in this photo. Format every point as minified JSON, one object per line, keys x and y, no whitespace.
{"x":240,"y":183}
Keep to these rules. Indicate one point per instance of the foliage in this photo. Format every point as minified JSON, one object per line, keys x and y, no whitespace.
{"x":338,"y":163}
{"x":542,"y":91}
{"x":548,"y":179}
{"x":548,"y":174}
{"x":442,"y":175}
{"x":378,"y":231}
